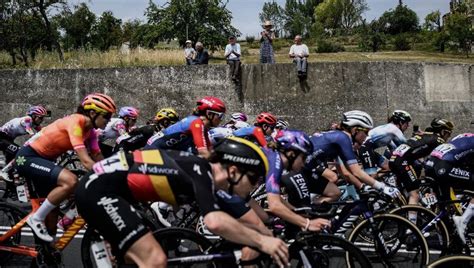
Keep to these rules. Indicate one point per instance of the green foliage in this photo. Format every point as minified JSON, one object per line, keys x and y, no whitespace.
{"x":401,"y":42}
{"x":296,"y":21}
{"x":433,"y":21}
{"x":400,"y":20}
{"x":440,"y":39}
{"x":275,"y":13}
{"x":372,"y":37}
{"x":207,"y":21}
{"x":77,"y":26}
{"x":458,"y":27}
{"x":250,"y":39}
{"x":107,"y":32}
{"x":325,"y":46}
{"x":340,"y":15}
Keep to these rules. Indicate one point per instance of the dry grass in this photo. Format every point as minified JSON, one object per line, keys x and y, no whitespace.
{"x":164,"y":57}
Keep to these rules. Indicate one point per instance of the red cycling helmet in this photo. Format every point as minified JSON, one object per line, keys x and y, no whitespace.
{"x":266,"y":118}
{"x":210,"y":103}
{"x":37,"y":110}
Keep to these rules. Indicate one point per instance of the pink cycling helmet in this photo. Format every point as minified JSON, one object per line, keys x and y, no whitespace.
{"x":37,"y":110}
{"x":128,"y":111}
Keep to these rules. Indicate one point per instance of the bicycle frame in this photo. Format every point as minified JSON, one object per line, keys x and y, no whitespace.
{"x":31,"y":251}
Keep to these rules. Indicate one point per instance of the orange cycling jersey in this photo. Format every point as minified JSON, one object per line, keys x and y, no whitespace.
{"x":62,"y":135}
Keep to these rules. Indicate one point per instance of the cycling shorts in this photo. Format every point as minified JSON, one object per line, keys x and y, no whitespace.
{"x":43,"y":173}
{"x":407,"y":172}
{"x":369,"y":158}
{"x":106,"y":203}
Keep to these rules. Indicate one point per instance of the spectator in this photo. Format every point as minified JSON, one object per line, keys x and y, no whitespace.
{"x":299,"y":53}
{"x":202,"y":56}
{"x":266,"y":40}
{"x":232,"y":54}
{"x":189,"y":52}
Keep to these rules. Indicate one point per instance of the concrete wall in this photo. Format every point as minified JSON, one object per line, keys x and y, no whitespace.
{"x":425,"y":90}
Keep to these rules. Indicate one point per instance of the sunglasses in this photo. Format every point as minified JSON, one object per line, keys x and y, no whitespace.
{"x":365,"y":130}
{"x":221,"y":116}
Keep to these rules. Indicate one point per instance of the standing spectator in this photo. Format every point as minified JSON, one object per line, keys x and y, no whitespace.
{"x":189,"y":52}
{"x":299,"y":53}
{"x":202,"y":56}
{"x":266,"y":40}
{"x":232,"y":54}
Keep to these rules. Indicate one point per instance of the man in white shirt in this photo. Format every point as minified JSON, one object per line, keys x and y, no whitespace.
{"x":232,"y":54}
{"x":299,"y":53}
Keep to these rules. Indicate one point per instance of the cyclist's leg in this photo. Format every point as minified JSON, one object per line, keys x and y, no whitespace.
{"x":146,"y":252}
{"x":369,"y":158}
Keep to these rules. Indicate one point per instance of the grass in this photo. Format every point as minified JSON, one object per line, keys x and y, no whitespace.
{"x":174,"y":56}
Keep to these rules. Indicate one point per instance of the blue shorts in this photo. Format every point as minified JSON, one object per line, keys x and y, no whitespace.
{"x":43,"y":173}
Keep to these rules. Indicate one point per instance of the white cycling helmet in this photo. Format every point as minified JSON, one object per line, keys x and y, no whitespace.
{"x":240,"y":124}
{"x":357,"y":118}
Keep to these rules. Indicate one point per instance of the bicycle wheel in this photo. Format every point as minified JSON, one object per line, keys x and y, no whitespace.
{"x":9,"y":216}
{"x":181,"y":242}
{"x":89,"y":252}
{"x":392,"y":240}
{"x":437,"y":235}
{"x":326,"y":250}
{"x":458,"y":261}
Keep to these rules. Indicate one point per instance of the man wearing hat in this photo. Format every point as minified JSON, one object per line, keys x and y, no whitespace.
{"x":189,"y":52}
{"x":266,"y":48}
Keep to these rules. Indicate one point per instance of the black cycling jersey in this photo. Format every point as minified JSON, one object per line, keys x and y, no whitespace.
{"x":420,"y":145}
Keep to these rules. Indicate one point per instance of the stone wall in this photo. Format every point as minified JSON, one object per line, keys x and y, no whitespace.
{"x":424,"y":89}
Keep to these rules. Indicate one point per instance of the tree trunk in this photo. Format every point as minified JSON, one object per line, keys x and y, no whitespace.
{"x":51,"y":40}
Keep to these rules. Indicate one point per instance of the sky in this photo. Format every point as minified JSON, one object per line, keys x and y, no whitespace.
{"x":245,"y":12}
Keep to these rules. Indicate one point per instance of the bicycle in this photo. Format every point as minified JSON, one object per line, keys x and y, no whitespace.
{"x":458,"y":261}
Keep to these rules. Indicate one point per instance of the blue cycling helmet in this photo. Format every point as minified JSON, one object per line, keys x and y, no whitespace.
{"x":293,"y":140}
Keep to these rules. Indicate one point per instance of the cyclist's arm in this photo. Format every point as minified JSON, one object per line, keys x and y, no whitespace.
{"x":278,"y":208}
{"x":348,"y":176}
{"x":28,"y":125}
{"x":359,"y":173}
{"x":84,"y":157}
{"x":251,"y":220}
{"x":199,"y":138}
{"x":258,"y":210}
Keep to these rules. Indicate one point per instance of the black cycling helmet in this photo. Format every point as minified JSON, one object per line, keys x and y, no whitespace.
{"x":400,"y":117}
{"x":438,"y":124}
{"x":242,"y":153}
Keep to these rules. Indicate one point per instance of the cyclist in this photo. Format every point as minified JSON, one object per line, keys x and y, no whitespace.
{"x":452,"y":165}
{"x":282,"y":125}
{"x":390,"y":134}
{"x":234,"y":119}
{"x":29,"y":124}
{"x":338,"y":145}
{"x":117,"y":129}
{"x":104,"y":196}
{"x":36,"y":160}
{"x":190,"y":134}
{"x":139,"y":136}
{"x":405,"y":163}
{"x":261,"y":131}
{"x":287,"y":152}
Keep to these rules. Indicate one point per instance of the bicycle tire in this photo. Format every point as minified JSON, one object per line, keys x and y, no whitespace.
{"x":326,"y":250}
{"x":458,"y":261}
{"x":427,"y":215}
{"x":9,"y":216}
{"x":383,"y":220}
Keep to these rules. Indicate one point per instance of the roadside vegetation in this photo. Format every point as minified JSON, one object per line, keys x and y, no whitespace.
{"x":51,"y":34}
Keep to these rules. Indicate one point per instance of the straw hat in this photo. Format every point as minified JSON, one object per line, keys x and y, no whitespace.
{"x":188,"y":41}
{"x":267,"y":23}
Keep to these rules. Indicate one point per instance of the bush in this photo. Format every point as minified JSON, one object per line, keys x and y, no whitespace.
{"x":401,"y":43}
{"x":328,"y":47}
{"x":250,"y":39}
{"x":245,"y":52}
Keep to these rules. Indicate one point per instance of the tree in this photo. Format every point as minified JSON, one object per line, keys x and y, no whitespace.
{"x":77,"y":26}
{"x":107,"y":32}
{"x":433,"y":21}
{"x":275,"y":13}
{"x":372,"y":37}
{"x":458,"y":26}
{"x":400,"y":20}
{"x":296,"y":21}
{"x":207,"y":21}
{"x":340,"y":14}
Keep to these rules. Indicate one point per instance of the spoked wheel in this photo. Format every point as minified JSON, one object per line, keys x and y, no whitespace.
{"x":325,"y":250}
{"x":392,"y":240}
{"x":9,"y":216}
{"x":457,"y":261}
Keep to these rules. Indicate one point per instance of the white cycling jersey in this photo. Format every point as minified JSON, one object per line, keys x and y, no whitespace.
{"x":386,"y":135}
{"x":114,"y":129}
{"x":19,"y":126}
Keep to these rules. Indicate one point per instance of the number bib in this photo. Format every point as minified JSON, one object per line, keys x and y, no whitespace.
{"x":117,"y":162}
{"x":401,"y":150}
{"x":442,"y":149}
